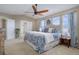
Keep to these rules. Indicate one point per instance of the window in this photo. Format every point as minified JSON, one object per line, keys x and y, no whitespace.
{"x":66,"y":24}
{"x":42,"y":25}
{"x":56,"y":21}
{"x":65,"y":21}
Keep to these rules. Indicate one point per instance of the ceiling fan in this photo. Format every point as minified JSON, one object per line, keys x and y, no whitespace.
{"x":36,"y":12}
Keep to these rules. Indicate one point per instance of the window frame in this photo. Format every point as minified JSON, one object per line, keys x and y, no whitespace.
{"x":54,"y":22}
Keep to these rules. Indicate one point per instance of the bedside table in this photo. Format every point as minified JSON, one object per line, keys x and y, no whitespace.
{"x":65,"y":41}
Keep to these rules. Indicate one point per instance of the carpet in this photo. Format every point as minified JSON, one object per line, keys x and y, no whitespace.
{"x":19,"y":47}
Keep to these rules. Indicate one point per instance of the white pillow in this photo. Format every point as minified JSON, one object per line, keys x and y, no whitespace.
{"x":50,"y":30}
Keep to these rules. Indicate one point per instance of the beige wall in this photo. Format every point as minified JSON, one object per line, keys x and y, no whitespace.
{"x":18,"y":18}
{"x":3,"y":15}
{"x":78,"y":25}
{"x":36,"y":25}
{"x":34,"y":21}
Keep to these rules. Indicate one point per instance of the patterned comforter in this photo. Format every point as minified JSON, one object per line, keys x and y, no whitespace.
{"x":39,"y":39}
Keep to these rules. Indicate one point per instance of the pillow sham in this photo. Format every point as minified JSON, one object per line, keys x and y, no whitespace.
{"x":50,"y":30}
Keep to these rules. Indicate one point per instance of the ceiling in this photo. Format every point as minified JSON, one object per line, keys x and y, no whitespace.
{"x":20,"y":9}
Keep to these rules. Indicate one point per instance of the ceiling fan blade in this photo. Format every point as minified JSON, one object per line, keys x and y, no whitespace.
{"x":39,"y":14}
{"x":28,"y":12}
{"x":34,"y":8}
{"x":42,"y":11}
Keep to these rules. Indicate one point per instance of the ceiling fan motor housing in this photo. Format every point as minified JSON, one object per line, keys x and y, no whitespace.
{"x":35,"y":12}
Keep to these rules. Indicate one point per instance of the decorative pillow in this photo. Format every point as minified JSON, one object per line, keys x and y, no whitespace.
{"x":56,"y":31}
{"x":46,"y":30}
{"x":53,"y":30}
{"x":50,"y":30}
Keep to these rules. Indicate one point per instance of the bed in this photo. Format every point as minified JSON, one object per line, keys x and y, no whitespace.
{"x":41,"y":41}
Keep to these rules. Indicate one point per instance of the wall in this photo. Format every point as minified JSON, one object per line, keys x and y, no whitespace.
{"x":36,"y":25}
{"x":78,"y":25}
{"x":3,"y":15}
{"x":0,"y":23}
{"x":21,"y":17}
{"x":18,"y":20}
{"x":35,"y":22}
{"x":17,"y":23}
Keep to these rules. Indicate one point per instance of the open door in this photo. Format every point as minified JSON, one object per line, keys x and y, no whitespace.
{"x":10,"y":29}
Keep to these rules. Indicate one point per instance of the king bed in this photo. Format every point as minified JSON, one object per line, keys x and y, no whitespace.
{"x":41,"y":41}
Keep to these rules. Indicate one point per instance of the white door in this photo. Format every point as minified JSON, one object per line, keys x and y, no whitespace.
{"x":10,"y":26}
{"x":25,"y":26}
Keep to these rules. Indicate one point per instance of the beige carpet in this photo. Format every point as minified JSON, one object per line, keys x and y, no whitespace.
{"x":19,"y":47}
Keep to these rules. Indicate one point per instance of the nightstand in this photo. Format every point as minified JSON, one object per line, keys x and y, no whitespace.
{"x":65,"y":41}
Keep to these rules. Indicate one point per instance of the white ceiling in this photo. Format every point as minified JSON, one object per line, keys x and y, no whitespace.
{"x":20,"y":9}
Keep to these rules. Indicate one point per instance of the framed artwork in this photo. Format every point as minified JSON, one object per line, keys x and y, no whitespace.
{"x":49,"y":21}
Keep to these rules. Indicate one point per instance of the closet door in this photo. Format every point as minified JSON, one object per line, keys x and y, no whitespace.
{"x":10,"y":24}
